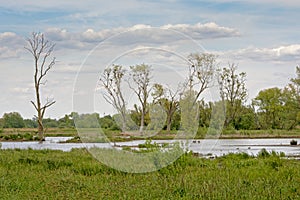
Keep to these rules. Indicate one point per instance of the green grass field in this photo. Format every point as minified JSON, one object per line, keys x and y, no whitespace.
{"x":45,"y":174}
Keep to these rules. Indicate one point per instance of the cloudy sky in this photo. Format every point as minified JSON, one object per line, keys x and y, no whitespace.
{"x":262,"y":37}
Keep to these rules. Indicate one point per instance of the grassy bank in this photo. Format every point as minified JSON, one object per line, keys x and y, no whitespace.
{"x":26,"y":134}
{"x":33,"y":131}
{"x":30,"y":174}
{"x":272,"y":133}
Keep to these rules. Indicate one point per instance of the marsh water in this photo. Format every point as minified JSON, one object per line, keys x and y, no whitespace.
{"x":206,"y":147}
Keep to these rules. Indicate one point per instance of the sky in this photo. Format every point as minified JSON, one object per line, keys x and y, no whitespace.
{"x":261,"y":37}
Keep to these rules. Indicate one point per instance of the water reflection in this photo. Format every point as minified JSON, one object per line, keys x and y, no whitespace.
{"x":214,"y":147}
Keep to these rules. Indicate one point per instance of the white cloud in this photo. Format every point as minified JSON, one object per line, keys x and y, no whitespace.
{"x":277,"y":54}
{"x":140,"y":32}
{"x":291,"y":50}
{"x":6,"y":36}
{"x":9,"y":38}
{"x":11,"y":44}
{"x":204,"y":31}
{"x":6,"y":52}
{"x":57,"y":34}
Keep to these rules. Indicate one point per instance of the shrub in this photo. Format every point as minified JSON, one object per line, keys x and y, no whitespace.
{"x":149,"y":146}
{"x":293,"y":142}
{"x":263,"y":153}
{"x":27,"y":136}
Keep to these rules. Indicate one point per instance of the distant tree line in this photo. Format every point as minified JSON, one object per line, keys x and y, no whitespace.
{"x":15,"y":120}
{"x":272,"y":108}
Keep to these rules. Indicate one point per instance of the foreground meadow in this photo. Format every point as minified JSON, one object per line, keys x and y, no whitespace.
{"x":45,"y":174}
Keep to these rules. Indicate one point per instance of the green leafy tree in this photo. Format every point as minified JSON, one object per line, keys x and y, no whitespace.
{"x":176,"y":120}
{"x":168,"y":100}
{"x":1,"y":123}
{"x":51,"y":123}
{"x":108,"y":122}
{"x":233,"y":91}
{"x":291,"y":95}
{"x":295,"y":85}
{"x":157,"y":118}
{"x":205,"y":113}
{"x":13,"y":120}
{"x":189,"y":112}
{"x":30,"y":123}
{"x":66,"y":121}
{"x":87,"y":120}
{"x":280,"y":108}
{"x":135,"y":118}
{"x":217,"y":118}
{"x":246,"y":119}
{"x":270,"y":107}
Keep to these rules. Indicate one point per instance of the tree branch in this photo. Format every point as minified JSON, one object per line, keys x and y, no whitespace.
{"x":34,"y":105}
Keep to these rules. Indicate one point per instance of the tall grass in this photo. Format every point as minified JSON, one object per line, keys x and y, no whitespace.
{"x":45,"y":174}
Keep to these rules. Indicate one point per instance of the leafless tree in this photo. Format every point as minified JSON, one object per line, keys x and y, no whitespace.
{"x":140,"y":76}
{"x":111,"y":80}
{"x":201,"y":72}
{"x":41,"y":49}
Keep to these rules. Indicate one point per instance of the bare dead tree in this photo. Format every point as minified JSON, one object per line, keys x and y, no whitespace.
{"x":141,"y":75}
{"x":201,"y":72}
{"x":111,"y":80}
{"x":41,"y":49}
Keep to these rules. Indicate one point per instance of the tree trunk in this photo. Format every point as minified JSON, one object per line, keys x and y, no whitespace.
{"x":169,"y":123}
{"x":142,"y":122}
{"x":40,"y":117}
{"x":41,"y":131}
{"x":124,"y":127}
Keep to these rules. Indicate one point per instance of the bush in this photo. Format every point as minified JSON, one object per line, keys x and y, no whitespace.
{"x":6,"y":137}
{"x":149,"y":146}
{"x":293,"y":142}
{"x":28,"y":137}
{"x":263,"y":153}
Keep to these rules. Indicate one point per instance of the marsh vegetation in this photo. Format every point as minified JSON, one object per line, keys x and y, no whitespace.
{"x":32,"y":174}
